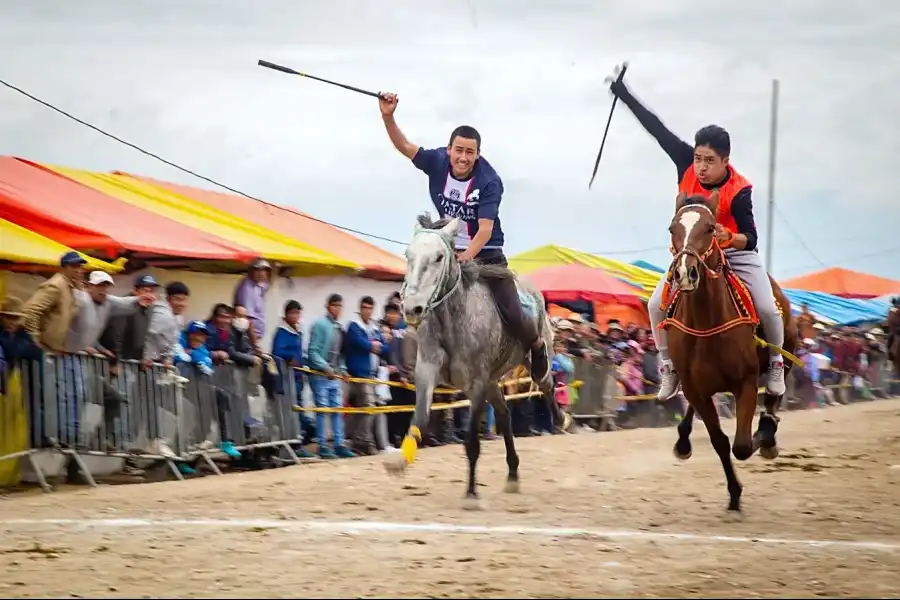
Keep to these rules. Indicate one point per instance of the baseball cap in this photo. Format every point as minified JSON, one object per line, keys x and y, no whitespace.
{"x":260,"y":263}
{"x":145,"y":281}
{"x":197,"y":327}
{"x":100,"y":278}
{"x":71,"y":258}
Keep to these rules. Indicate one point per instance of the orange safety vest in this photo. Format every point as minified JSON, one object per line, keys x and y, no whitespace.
{"x":690,"y":185}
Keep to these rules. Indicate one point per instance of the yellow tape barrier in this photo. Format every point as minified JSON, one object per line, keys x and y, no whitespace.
{"x":463,"y":403}
{"x":370,"y":410}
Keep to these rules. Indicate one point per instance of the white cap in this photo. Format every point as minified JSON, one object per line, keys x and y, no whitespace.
{"x":99,"y":278}
{"x":565,"y":325}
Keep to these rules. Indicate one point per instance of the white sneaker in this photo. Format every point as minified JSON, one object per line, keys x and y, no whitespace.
{"x":775,"y":383}
{"x":668,"y":387}
{"x":160,"y":447}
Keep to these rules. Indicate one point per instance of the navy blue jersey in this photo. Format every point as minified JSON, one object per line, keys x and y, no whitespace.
{"x":475,"y":198}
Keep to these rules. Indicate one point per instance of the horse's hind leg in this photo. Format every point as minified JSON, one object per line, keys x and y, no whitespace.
{"x":504,"y":428}
{"x":683,"y":448}
{"x":706,"y":408}
{"x":473,"y":446}
{"x":766,"y":428}
{"x":561,"y":418}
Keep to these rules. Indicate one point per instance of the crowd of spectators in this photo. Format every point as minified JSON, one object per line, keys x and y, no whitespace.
{"x":359,"y":361}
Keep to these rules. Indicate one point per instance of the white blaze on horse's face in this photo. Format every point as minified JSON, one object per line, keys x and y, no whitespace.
{"x":688,"y":220}
{"x":426,"y":256}
{"x":692,"y":234}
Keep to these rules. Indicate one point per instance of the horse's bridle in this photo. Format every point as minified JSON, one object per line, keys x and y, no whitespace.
{"x":701,"y":258}
{"x":436,"y":298}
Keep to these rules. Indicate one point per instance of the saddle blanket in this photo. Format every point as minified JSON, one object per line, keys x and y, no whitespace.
{"x":740,"y":297}
{"x":528,"y":303}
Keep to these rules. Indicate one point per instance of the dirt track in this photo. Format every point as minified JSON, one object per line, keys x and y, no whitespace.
{"x":838,"y":479}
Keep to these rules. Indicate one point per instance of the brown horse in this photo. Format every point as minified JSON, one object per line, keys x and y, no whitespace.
{"x":893,"y":327}
{"x":711,"y":325}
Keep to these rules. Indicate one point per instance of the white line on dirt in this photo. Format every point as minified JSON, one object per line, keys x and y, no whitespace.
{"x":360,"y":527}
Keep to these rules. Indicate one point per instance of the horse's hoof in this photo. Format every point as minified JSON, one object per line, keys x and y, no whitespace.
{"x":769,"y":453}
{"x":396,"y":464}
{"x":682,"y":455}
{"x":512,"y":486}
{"x":472,"y":503}
{"x":734,"y":514}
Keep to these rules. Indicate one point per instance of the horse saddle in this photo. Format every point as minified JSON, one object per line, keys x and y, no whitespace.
{"x":739,"y":295}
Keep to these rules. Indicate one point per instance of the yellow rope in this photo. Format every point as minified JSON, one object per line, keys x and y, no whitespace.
{"x":410,"y":386}
{"x":764,"y":344}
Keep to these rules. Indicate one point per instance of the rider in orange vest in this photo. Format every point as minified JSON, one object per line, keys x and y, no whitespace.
{"x":703,"y":168}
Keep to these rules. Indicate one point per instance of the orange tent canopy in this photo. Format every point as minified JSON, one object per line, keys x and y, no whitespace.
{"x":603,"y":312}
{"x":290,"y":222}
{"x":570,"y":283}
{"x":84,"y":219}
{"x":844,"y":283}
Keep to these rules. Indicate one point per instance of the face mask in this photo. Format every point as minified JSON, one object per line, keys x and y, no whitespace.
{"x":241,"y":323}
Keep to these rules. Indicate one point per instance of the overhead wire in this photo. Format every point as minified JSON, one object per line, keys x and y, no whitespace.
{"x":186,"y":170}
{"x":193,"y":173}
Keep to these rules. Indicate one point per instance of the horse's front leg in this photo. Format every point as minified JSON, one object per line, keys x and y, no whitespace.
{"x":706,"y":408}
{"x":473,"y":442}
{"x":745,"y":400}
{"x":683,"y":448}
{"x":429,"y":362}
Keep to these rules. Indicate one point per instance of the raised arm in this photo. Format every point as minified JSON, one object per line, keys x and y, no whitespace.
{"x":681,"y":153}
{"x":388,"y":104}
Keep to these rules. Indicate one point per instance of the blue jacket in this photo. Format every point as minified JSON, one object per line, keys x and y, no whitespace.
{"x":321,"y":337}
{"x":18,"y":346}
{"x":199,"y":357}
{"x":358,"y":350}
{"x":288,"y":346}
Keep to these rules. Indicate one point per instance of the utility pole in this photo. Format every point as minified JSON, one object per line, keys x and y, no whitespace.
{"x":773,"y":144}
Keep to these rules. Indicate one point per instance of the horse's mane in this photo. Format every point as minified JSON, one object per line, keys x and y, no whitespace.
{"x":471,"y":270}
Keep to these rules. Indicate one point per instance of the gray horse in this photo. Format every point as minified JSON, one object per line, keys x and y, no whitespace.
{"x":463,"y":343}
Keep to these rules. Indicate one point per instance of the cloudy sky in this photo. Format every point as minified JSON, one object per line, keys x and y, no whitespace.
{"x":180,"y":79}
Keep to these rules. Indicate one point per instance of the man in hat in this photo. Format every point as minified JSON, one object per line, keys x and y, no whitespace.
{"x":251,"y":294}
{"x":50,"y":310}
{"x":16,"y":342}
{"x":126,"y":334}
{"x":95,"y":307}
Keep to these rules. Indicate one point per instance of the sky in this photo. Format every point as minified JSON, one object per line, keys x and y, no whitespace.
{"x":179,"y":78}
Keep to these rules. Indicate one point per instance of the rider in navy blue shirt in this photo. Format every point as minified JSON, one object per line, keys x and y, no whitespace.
{"x":464,"y":185}
{"x":471,"y":198}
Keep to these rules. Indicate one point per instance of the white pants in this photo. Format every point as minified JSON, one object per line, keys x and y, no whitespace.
{"x":749,"y":267}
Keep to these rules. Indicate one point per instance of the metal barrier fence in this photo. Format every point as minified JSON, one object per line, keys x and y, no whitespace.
{"x":81,"y":405}
{"x":600,"y":395}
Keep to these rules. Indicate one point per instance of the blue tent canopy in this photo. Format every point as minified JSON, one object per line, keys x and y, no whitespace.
{"x":836,"y":310}
{"x":650,"y":267}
